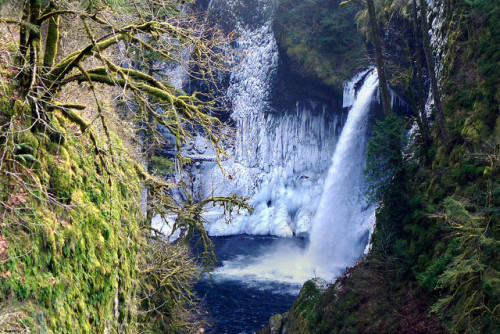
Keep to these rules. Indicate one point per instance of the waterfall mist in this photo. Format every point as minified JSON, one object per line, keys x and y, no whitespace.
{"x":337,"y":236}
{"x":343,"y":221}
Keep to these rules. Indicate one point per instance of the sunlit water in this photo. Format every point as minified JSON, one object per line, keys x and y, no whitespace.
{"x":260,"y":276}
{"x":237,"y":300}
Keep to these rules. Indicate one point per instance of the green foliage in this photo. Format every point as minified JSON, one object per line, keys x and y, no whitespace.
{"x":429,"y":278}
{"x":470,"y":285}
{"x":321,"y":39}
{"x":385,"y":163}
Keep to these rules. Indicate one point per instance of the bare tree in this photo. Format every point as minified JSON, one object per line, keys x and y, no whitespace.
{"x":81,"y":60}
{"x":116,"y":43}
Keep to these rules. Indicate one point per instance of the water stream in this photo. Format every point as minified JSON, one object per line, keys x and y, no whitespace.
{"x":300,"y":164}
{"x":344,"y":220}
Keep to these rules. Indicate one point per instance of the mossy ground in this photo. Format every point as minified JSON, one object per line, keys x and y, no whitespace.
{"x":70,"y":232}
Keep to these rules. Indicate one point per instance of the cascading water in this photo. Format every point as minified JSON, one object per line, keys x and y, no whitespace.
{"x":350,"y":89}
{"x":343,"y":220}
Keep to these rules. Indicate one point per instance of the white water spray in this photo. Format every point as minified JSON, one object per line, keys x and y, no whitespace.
{"x":343,"y":218}
{"x":343,"y":221}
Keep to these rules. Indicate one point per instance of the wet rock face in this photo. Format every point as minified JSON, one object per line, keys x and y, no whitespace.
{"x":278,"y":324}
{"x":437,"y":32}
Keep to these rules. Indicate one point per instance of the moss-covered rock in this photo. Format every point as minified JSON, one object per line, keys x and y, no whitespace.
{"x":71,"y":250}
{"x":304,"y":315}
{"x":321,"y":40}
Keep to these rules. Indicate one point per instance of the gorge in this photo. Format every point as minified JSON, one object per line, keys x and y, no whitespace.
{"x":301,"y":164}
{"x":250,"y":166}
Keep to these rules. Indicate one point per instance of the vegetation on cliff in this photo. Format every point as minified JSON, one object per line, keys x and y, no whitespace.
{"x":78,"y":95}
{"x":434,"y":264}
{"x":320,"y":39}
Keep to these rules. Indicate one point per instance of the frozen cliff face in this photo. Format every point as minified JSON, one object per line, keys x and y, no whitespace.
{"x":436,"y":19}
{"x":278,"y":159}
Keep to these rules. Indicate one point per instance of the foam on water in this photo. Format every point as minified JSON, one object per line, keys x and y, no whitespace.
{"x":282,"y":263}
{"x":343,"y":222}
{"x":343,"y":217}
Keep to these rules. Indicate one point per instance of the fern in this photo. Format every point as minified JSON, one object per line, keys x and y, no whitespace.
{"x":471,"y":287}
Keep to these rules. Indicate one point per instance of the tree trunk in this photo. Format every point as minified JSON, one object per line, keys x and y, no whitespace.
{"x":51,"y":43}
{"x":34,"y":44}
{"x":418,"y":97}
{"x":379,"y":58}
{"x":23,"y":44}
{"x":432,"y":74}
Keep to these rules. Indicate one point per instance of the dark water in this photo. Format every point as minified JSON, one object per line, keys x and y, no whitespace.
{"x":243,"y":305}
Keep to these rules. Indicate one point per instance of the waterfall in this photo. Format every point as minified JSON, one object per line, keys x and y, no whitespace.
{"x":343,"y":218}
{"x":350,"y":89}
{"x":282,"y":160}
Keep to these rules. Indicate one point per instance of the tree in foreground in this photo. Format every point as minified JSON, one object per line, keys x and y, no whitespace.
{"x":75,"y":249}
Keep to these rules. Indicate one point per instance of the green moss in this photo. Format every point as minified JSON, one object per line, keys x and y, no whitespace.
{"x":473,"y":130}
{"x":29,"y":139}
{"x":321,"y":40}
{"x":61,"y":180}
{"x":304,"y":315}
{"x":76,"y":259}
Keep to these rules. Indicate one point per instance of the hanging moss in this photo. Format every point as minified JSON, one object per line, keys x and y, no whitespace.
{"x":321,"y":39}
{"x":66,"y":265}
